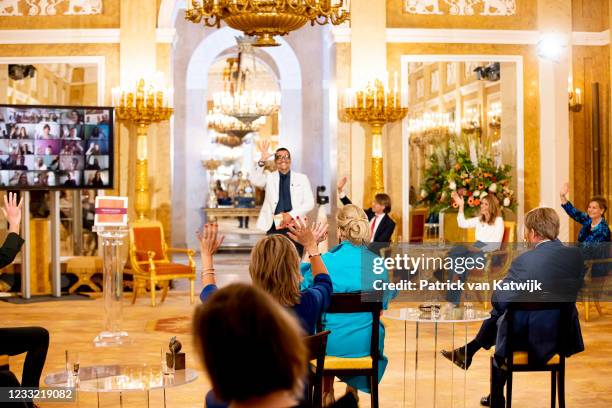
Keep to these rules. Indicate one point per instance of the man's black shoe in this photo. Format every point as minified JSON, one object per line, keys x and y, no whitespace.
{"x":486,"y":401}
{"x":457,"y":356}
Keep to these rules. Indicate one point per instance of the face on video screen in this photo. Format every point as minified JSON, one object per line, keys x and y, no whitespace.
{"x":61,"y":147}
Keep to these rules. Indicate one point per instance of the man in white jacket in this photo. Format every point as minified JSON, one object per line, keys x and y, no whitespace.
{"x":288,"y":193}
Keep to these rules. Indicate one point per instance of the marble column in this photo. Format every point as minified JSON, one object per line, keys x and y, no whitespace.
{"x":137,"y":51}
{"x":368,"y":61}
{"x":555,"y":16}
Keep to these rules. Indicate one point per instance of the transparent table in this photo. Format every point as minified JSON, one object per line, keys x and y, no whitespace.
{"x":444,"y":314}
{"x":121,"y":378}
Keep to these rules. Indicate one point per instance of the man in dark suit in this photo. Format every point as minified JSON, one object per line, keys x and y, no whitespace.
{"x":381,"y":225}
{"x":559,"y":269}
{"x":17,"y":340}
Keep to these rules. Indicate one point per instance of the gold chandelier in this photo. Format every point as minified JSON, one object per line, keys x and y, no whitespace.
{"x":229,"y":141}
{"x":267,"y":18}
{"x":229,"y":125}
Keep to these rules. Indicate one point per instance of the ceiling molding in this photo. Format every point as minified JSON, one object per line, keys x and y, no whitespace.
{"x":76,"y":36}
{"x":591,"y":38}
{"x":69,"y":36}
{"x":459,"y":36}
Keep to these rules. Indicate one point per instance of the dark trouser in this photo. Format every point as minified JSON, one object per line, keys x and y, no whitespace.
{"x":487,"y":334}
{"x":31,"y":340}
{"x":498,"y":381}
{"x":284,"y":232}
{"x":244,"y":222}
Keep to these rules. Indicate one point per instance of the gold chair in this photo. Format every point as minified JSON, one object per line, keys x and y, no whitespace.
{"x":84,"y":267}
{"x":592,"y":289}
{"x":502,"y":256}
{"x":150,"y":262}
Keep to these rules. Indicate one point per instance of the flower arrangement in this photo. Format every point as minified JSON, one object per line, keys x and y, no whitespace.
{"x":471,"y":175}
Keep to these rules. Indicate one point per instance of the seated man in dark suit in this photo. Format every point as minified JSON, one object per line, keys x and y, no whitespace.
{"x":381,"y":225}
{"x":559,"y":270}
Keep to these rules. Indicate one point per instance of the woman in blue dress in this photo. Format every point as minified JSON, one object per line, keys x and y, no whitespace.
{"x":595,"y":232}
{"x":349,"y":265}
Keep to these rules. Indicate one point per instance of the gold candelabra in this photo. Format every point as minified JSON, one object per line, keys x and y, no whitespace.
{"x":375,"y":105}
{"x":145,"y":104}
{"x":267,"y":18}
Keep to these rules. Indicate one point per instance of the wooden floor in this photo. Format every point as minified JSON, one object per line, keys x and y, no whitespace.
{"x":74,"y":324}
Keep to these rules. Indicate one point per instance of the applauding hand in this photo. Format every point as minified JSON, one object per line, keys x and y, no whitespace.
{"x":319,"y":230}
{"x":302,"y":234}
{"x":12,"y":211}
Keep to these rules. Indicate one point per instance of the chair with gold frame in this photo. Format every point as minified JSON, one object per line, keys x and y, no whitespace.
{"x":150,"y":262}
{"x":503,"y":257}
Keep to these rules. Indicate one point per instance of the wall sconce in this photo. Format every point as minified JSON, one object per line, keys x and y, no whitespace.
{"x":494,"y":116}
{"x":575,"y":99}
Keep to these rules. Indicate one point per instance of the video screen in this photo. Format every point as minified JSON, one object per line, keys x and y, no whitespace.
{"x":55,"y":147}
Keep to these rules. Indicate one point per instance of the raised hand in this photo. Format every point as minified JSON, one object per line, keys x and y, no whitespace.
{"x":564,"y":192}
{"x":264,"y":149}
{"x":300,"y":233}
{"x":457,"y":199}
{"x":210,"y":240}
{"x":12,"y":211}
{"x":341,"y":184}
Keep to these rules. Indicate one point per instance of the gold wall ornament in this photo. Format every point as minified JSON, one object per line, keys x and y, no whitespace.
{"x":375,"y":105}
{"x":267,"y":18}
{"x":145,"y":104}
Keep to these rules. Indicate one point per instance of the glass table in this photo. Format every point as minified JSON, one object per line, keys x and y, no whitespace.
{"x":123,"y":378}
{"x":445,"y":315}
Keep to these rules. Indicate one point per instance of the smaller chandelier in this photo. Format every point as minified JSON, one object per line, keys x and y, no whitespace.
{"x":229,"y":125}
{"x":229,"y":141}
{"x":247,"y":106}
{"x":267,"y":18}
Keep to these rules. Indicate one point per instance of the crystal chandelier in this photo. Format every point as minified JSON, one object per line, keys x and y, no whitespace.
{"x":247,"y":106}
{"x":229,"y":141}
{"x":229,"y":125}
{"x":267,"y":18}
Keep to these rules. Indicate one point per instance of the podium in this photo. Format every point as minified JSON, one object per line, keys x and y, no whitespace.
{"x":112,"y":238}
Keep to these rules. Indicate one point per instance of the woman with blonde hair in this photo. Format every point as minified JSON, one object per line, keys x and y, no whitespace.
{"x":350,"y":266}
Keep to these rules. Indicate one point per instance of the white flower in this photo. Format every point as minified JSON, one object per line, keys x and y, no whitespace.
{"x":452,"y":185}
{"x":423,"y":193}
{"x":476,"y":193}
{"x":507,"y":202}
{"x":493,"y":187}
{"x":483,"y":194}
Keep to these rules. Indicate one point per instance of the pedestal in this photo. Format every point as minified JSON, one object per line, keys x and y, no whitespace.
{"x":112,"y":266}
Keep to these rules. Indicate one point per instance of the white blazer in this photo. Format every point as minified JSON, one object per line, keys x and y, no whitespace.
{"x":302,"y":200}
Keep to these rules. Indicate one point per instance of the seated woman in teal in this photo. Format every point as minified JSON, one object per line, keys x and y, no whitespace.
{"x":349,"y":265}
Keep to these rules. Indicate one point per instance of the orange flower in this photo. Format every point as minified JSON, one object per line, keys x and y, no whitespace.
{"x":457,"y":166}
{"x":455,"y":205}
{"x":476,"y":202}
{"x":471,"y":201}
{"x":480,"y":186}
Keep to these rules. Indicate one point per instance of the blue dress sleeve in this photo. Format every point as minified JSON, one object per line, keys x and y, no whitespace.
{"x":575,"y":214}
{"x":207,"y":292}
{"x":306,"y":271}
